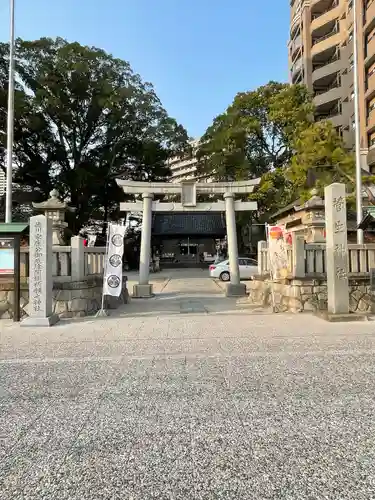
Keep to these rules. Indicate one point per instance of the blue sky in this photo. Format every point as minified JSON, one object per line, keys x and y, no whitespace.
{"x":197,"y":53}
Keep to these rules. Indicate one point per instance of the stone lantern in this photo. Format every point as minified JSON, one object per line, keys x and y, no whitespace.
{"x":304,"y":218}
{"x":55,"y":210}
{"x":313,"y":218}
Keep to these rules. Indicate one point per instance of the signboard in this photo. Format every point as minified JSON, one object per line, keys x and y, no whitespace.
{"x":278,"y":257}
{"x":6,"y":256}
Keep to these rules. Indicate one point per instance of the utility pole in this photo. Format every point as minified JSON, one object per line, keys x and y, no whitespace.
{"x":10,"y":121}
{"x":358,"y":168}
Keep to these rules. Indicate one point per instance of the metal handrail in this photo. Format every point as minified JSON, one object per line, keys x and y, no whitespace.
{"x":335,"y":112}
{"x":296,"y":66}
{"x":324,"y":37}
{"x":336,"y":85}
{"x":322,"y":64}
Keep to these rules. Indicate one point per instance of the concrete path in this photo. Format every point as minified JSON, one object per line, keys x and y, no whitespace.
{"x":158,"y":402}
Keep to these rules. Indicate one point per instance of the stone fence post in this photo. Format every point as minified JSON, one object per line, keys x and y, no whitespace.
{"x":64,"y":263}
{"x":262,"y":258}
{"x":298,"y":255}
{"x":77,"y":259}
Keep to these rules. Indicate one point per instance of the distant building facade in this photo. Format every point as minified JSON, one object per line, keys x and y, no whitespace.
{"x":321,"y":55}
{"x":185,"y":168}
{"x":2,"y":183}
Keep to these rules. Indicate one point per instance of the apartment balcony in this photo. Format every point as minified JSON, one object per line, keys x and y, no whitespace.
{"x":371,"y":121}
{"x":299,"y":79}
{"x":295,"y":23}
{"x":180,"y":163}
{"x":325,"y":69}
{"x":327,"y":96}
{"x":325,"y":42}
{"x":337,"y":120}
{"x":321,"y":18}
{"x":370,"y":50}
{"x":296,"y":67}
{"x":296,"y":44}
{"x":332,"y":114}
{"x":320,"y":5}
{"x":349,"y":17}
{"x":370,"y":86}
{"x":370,"y":13}
{"x":371,"y":156}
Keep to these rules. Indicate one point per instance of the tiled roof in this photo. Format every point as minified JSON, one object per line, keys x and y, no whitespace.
{"x":193,"y":223}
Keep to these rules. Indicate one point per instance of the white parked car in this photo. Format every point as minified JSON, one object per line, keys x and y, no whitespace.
{"x":248,"y":268}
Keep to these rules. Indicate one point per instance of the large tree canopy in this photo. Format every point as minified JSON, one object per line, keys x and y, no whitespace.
{"x":270,"y":133}
{"x":83,"y":118}
{"x":255,"y":134}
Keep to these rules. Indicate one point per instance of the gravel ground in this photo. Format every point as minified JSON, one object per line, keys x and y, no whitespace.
{"x":188,"y":396}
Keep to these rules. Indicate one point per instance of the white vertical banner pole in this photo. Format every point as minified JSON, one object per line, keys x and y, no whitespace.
{"x":105,"y":261}
{"x":358,"y":167}
{"x":113,"y":275}
{"x":102,"y":311}
{"x":10,"y":121}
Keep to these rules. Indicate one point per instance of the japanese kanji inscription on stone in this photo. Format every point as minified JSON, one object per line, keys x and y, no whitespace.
{"x":337,"y":249}
{"x":40,"y":277}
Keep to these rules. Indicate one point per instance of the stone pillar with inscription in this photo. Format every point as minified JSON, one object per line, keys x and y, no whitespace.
{"x":40,"y":279}
{"x":336,"y":249}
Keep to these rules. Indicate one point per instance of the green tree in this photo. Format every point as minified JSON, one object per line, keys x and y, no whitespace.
{"x":270,"y":133}
{"x":319,"y":158}
{"x":255,"y":134}
{"x":89,"y":119}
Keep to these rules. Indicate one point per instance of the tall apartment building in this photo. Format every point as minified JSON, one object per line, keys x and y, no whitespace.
{"x":321,"y":56}
{"x":184,"y":168}
{"x":2,"y":183}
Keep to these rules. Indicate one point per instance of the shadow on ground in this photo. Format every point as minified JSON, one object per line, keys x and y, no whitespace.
{"x":171,"y":303}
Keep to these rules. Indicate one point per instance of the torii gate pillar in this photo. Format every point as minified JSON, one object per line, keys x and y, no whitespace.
{"x":144,"y":288}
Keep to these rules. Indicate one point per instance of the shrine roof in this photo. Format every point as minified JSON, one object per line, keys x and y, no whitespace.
{"x":193,"y":223}
{"x":13,"y":228}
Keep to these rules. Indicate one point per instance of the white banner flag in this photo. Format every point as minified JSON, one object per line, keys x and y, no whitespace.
{"x":112,"y":283}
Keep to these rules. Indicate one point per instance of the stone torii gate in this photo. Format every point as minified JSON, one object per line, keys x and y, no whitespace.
{"x":188,"y":191}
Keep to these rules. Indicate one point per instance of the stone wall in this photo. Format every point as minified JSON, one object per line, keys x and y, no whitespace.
{"x":299,"y":295}
{"x":70,"y":300}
